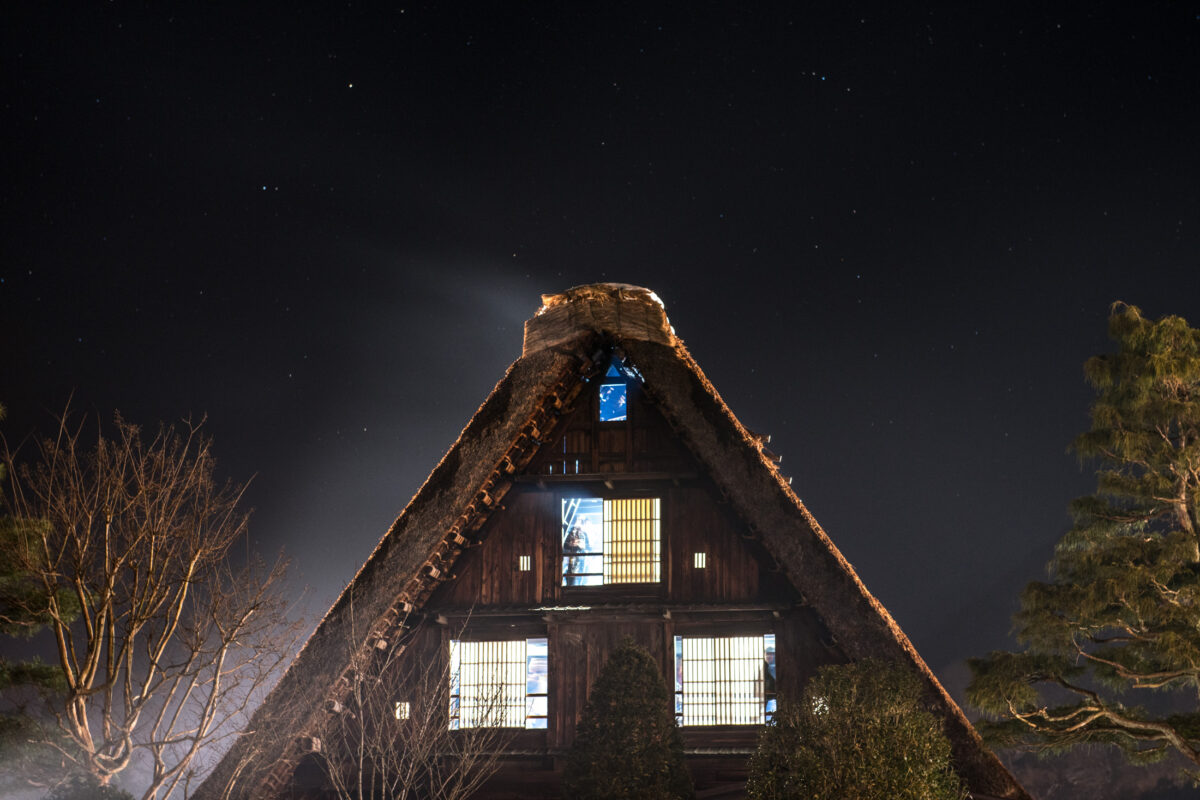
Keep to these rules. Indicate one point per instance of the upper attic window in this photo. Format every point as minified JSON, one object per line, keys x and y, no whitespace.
{"x":610,"y":541}
{"x":614,"y":391}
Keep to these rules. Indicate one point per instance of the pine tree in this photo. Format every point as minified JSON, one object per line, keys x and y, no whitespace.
{"x":627,"y":745}
{"x":1118,"y":623}
{"x":858,"y":733}
{"x":24,"y":612}
{"x":25,"y":603}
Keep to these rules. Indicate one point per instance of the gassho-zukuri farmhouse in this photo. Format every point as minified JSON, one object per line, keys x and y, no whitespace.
{"x":602,"y":491}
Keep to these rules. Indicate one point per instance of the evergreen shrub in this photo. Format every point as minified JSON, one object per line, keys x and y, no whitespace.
{"x":858,"y":733}
{"x":627,"y":745}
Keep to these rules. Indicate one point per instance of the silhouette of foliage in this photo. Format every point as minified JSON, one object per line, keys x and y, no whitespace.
{"x":858,"y":733}
{"x":627,"y":745}
{"x":1118,"y":622}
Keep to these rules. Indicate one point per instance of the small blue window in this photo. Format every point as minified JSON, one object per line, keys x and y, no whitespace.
{"x":613,"y":399}
{"x":614,"y":391}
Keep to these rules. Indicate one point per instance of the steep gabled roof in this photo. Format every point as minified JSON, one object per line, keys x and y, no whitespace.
{"x":565,"y":343}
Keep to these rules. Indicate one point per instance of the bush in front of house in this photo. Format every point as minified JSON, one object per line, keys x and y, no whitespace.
{"x":859,"y":732}
{"x":627,"y":745}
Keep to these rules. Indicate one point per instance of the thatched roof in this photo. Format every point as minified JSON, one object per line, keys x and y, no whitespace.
{"x":562,"y":344}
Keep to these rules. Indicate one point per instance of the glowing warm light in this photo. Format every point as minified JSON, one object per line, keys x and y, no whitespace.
{"x":611,"y":541}
{"x":724,"y":680}
{"x":498,"y":684}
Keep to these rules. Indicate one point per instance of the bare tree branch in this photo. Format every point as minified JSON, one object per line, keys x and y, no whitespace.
{"x":172,"y":642}
{"x":390,"y":735}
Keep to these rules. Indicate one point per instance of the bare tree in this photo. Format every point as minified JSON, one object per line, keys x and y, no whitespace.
{"x":165,"y":643}
{"x":390,"y":735}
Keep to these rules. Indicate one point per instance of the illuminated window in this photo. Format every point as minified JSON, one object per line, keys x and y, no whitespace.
{"x":524,"y":563}
{"x":699,"y":560}
{"x":403,"y":709}
{"x":498,"y":684}
{"x":614,"y":391}
{"x":724,"y":680}
{"x":614,"y":399}
{"x":610,"y":541}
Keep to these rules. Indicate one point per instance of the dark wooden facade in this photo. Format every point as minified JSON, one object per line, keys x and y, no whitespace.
{"x":477,"y":555}
{"x":739,"y":591}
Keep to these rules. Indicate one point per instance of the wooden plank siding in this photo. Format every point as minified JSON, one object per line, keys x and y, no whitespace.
{"x":476,"y":555}
{"x":738,"y":591}
{"x":693,"y":521}
{"x":578,"y":651}
{"x":644,"y":442}
{"x":489,"y":575}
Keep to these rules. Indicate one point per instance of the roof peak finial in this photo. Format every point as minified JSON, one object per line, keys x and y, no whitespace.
{"x":621,"y":310}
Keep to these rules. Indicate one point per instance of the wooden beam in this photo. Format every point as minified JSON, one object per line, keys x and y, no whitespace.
{"x":608,"y":478}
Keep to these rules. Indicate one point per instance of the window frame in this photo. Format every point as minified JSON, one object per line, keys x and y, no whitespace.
{"x":720,"y":681}
{"x":626,"y":377}
{"x":601,"y":390}
{"x":534,"y":697}
{"x":610,"y":539}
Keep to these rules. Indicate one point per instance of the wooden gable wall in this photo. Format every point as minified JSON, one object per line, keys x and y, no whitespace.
{"x":640,"y":458}
{"x":498,"y":493}
{"x":739,"y":591}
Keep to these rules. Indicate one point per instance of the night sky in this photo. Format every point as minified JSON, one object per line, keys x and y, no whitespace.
{"x":889,"y":235}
